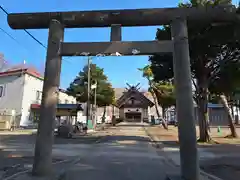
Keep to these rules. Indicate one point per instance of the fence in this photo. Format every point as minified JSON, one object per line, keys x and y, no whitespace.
{"x":217,"y":116}
{"x":9,"y":120}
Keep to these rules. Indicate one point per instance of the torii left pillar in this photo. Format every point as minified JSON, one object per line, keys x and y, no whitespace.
{"x":43,"y":149}
{"x":184,"y":101}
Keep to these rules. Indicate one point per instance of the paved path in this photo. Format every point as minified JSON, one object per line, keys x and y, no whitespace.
{"x":123,"y":152}
{"x":126,"y":154}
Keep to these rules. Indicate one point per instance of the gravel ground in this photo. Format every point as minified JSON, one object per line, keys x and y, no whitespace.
{"x":225,"y":165}
{"x":225,"y":168}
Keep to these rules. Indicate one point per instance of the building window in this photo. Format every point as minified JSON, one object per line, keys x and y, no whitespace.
{"x":36,"y":117}
{"x":66,"y":101}
{"x":1,"y":91}
{"x":73,"y":102}
{"x":39,"y":95}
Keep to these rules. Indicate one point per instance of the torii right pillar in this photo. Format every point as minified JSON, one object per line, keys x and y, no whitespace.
{"x":184,"y":101}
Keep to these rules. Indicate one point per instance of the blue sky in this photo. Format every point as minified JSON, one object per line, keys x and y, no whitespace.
{"x":119,"y":69}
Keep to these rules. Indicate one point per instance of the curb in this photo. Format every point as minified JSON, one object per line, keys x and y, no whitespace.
{"x":209,"y":176}
{"x":100,"y":139}
{"x":103,"y":127}
{"x":15,"y":133}
{"x":172,"y":163}
{"x":168,"y":160}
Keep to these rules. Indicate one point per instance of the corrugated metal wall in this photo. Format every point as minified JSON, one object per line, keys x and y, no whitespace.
{"x":217,"y":116}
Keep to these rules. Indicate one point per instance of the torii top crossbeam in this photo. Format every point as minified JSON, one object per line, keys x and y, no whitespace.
{"x":131,"y":17}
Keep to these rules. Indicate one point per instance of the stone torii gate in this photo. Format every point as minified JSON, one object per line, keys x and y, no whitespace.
{"x":176,"y":17}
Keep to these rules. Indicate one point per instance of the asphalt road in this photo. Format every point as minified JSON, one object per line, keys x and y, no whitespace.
{"x":122,"y":152}
{"x":16,"y":151}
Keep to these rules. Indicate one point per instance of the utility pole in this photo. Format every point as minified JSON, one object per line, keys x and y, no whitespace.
{"x":88,"y":91}
{"x":95,"y":106}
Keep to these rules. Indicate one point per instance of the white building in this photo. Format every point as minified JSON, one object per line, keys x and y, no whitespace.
{"x":21,"y":88}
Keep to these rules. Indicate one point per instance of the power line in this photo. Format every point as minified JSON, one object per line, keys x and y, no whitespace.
{"x":3,"y":10}
{"x":9,"y":35}
{"x":14,"y":39}
{"x":35,"y":39}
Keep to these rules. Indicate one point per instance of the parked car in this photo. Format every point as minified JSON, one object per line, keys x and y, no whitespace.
{"x":176,"y":123}
{"x":68,"y":130}
{"x":118,"y":120}
{"x":171,"y":122}
{"x":158,"y":121}
{"x":65,"y":131}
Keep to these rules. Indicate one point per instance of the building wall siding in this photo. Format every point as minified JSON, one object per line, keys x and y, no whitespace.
{"x":12,"y":94}
{"x":20,"y":92}
{"x":31,"y":86}
{"x":66,"y":99}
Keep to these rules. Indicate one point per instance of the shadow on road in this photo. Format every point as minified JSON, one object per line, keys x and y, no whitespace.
{"x":30,"y":139}
{"x":130,"y":125}
{"x":112,"y":138}
{"x":12,"y":165}
{"x":215,"y":148}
